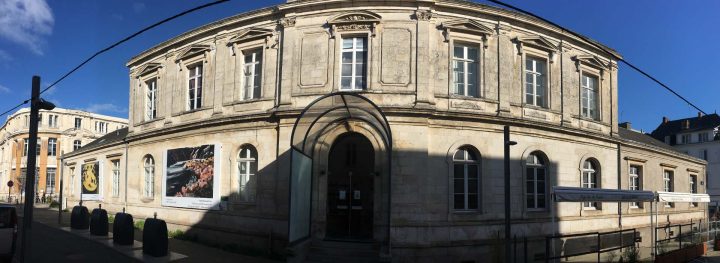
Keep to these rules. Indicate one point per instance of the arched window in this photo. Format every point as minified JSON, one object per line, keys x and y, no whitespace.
{"x":149,"y":165}
{"x":535,"y":178}
{"x":466,"y":179}
{"x":247,"y":169}
{"x":591,"y":179}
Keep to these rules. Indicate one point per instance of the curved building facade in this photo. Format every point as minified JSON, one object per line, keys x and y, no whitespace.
{"x":211,"y":144}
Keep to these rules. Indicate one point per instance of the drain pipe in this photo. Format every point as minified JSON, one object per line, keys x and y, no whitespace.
{"x":126,"y":174}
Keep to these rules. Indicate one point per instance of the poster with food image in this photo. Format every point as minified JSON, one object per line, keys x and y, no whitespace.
{"x":90,"y":181}
{"x":191,"y":177}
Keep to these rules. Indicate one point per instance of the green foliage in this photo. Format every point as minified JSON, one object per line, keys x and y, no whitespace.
{"x":54,"y":204}
{"x":611,"y":256}
{"x":631,"y":255}
{"x":111,"y":219}
{"x":140,"y":224}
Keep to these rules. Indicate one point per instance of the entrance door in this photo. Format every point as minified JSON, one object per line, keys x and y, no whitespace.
{"x":350,"y":188}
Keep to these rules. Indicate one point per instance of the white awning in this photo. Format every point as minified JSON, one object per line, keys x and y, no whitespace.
{"x":578,"y":194}
{"x":682,"y":197}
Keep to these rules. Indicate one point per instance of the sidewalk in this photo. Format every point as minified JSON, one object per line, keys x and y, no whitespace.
{"x":195,"y":252}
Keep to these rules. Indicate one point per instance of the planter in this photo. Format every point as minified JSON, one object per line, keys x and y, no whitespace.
{"x":682,"y":255}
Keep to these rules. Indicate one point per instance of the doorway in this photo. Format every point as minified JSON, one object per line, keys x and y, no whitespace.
{"x":350,"y":193}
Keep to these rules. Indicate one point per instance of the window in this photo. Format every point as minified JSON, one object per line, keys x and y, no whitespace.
{"x":247,"y":170}
{"x":101,"y":127}
{"x":38,"y":147}
{"x":668,"y":183}
{"x":635,"y":182}
{"x":535,"y":81}
{"x":693,"y":187}
{"x":685,"y":138}
{"x":704,"y":155}
{"x":52,"y":147}
{"x":151,"y":99}
{"x":78,"y":123}
{"x":76,"y":145}
{"x":589,"y":97}
{"x":590,"y":176}
{"x":40,"y":120}
{"x":50,"y":181}
{"x":195,"y":86}
{"x":72,"y":180}
{"x":149,"y":166}
{"x":465,"y":70}
{"x":353,"y":70}
{"x":702,"y":137}
{"x":466,"y":179}
{"x":115,"y":178}
{"x":535,"y":181}
{"x":53,"y":121}
{"x":27,"y":121}
{"x":25,"y":149}
{"x":252,"y":69}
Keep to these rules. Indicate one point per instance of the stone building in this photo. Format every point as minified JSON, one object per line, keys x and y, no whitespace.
{"x":59,"y":130}
{"x":696,"y":136}
{"x":389,"y":116}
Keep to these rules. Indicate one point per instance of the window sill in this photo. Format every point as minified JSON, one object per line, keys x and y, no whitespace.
{"x":191,"y":111}
{"x":149,"y":121}
{"x":147,"y":199}
{"x":467,"y":212}
{"x":238,"y":102}
{"x":461,"y":97}
{"x":598,"y":121}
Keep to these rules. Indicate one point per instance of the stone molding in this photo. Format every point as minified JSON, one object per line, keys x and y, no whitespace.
{"x":354,"y":21}
{"x":538,"y":42}
{"x":423,"y":15}
{"x":466,"y":26}
{"x":286,"y":22}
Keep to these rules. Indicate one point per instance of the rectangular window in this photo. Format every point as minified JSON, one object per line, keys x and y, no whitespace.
{"x":702,"y":137}
{"x":465,"y":70}
{"x":668,"y":184}
{"x":195,"y":86}
{"x":466,"y":186}
{"x":52,"y":121}
{"x":354,"y":68}
{"x":76,"y":145}
{"x":252,"y":69}
{"x":50,"y":181}
{"x":78,"y":123}
{"x":535,"y":81}
{"x":151,"y":99}
{"x":38,"y":147}
{"x":704,"y":155}
{"x":40,"y":120}
{"x":26,"y":147}
{"x":52,"y":147}
{"x":686,"y":138}
{"x":116,"y":178}
{"x":72,"y":180}
{"x":635,"y":183}
{"x":693,"y":187}
{"x":589,"y":92}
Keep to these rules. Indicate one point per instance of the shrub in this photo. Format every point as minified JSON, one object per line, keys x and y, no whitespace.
{"x":111,"y":219}
{"x":54,"y":204}
{"x":140,"y":224}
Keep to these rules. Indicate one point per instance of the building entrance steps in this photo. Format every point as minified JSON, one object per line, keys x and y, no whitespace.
{"x":341,"y":251}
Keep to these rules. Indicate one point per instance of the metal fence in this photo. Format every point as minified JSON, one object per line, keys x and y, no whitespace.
{"x":674,"y":237}
{"x":589,"y":246}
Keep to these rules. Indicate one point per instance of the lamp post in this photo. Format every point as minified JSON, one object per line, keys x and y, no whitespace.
{"x":508,"y":241}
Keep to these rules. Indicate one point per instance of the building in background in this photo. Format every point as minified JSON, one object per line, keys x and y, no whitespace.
{"x":59,"y":130}
{"x":697,"y":136}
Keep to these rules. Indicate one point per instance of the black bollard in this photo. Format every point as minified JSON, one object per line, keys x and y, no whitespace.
{"x":79,"y":218}
{"x":123,"y":229}
{"x":99,"y":222}
{"x":155,"y":237}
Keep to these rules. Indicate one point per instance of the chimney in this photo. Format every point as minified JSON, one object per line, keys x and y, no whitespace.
{"x":627,"y":125}
{"x":699,"y":115}
{"x":686,"y":124}
{"x":665,"y":120}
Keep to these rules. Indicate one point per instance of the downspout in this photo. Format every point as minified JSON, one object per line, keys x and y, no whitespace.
{"x":126,"y":173}
{"x":619,"y":187}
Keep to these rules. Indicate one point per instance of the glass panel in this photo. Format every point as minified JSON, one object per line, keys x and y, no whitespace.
{"x":472,"y":201}
{"x":540,"y":187}
{"x":346,"y":70}
{"x":359,"y":70}
{"x":529,"y":63}
{"x":459,"y":171}
{"x":472,"y":53}
{"x":541,"y":201}
{"x":459,"y":186}
{"x":458,"y":52}
{"x":540,"y":66}
{"x":541,"y":174}
{"x":472,"y":171}
{"x":345,"y":83}
{"x":530,"y":202}
{"x":360,"y":57}
{"x":347,"y":43}
{"x":472,"y":186}
{"x":472,"y":80}
{"x":347,"y":57}
{"x":459,"y":201}
{"x":471,"y":156}
{"x":530,"y":186}
{"x":360,"y":43}
{"x":459,"y":155}
{"x":359,"y":83}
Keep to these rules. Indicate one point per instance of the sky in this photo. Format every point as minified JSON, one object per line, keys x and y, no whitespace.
{"x":672,"y":40}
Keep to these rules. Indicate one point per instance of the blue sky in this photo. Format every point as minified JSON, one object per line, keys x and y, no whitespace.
{"x":672,"y":40}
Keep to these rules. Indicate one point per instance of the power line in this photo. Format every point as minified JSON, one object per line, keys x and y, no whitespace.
{"x":606,"y":51}
{"x":115,"y":45}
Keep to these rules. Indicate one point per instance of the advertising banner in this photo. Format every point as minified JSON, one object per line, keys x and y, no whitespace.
{"x":91,"y":181}
{"x":191,"y":177}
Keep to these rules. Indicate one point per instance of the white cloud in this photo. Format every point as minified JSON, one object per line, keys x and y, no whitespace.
{"x":4,"y":89}
{"x":26,"y":22}
{"x":105,"y":107}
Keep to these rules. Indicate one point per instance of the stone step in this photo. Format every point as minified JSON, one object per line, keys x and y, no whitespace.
{"x":345,"y":252}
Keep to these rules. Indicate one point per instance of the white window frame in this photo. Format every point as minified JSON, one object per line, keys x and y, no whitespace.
{"x":78,"y":123}
{"x":585,"y":91}
{"x":668,"y":184}
{"x":77,"y":144}
{"x":466,"y":62}
{"x":590,"y":179}
{"x":466,"y":163}
{"x":72,"y":181}
{"x":703,"y":137}
{"x":115,"y":177}
{"x":50,"y":180}
{"x":692,"y":181}
{"x":535,"y":73}
{"x":635,"y":181}
{"x":538,"y":163}
{"x":149,"y":178}
{"x":353,"y":74}
{"x":685,"y":138}
{"x":195,"y":76}
{"x":252,"y":69}
{"x":52,"y":147}
{"x":151,"y":98}
{"x":26,"y":149}
{"x":247,"y":180}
